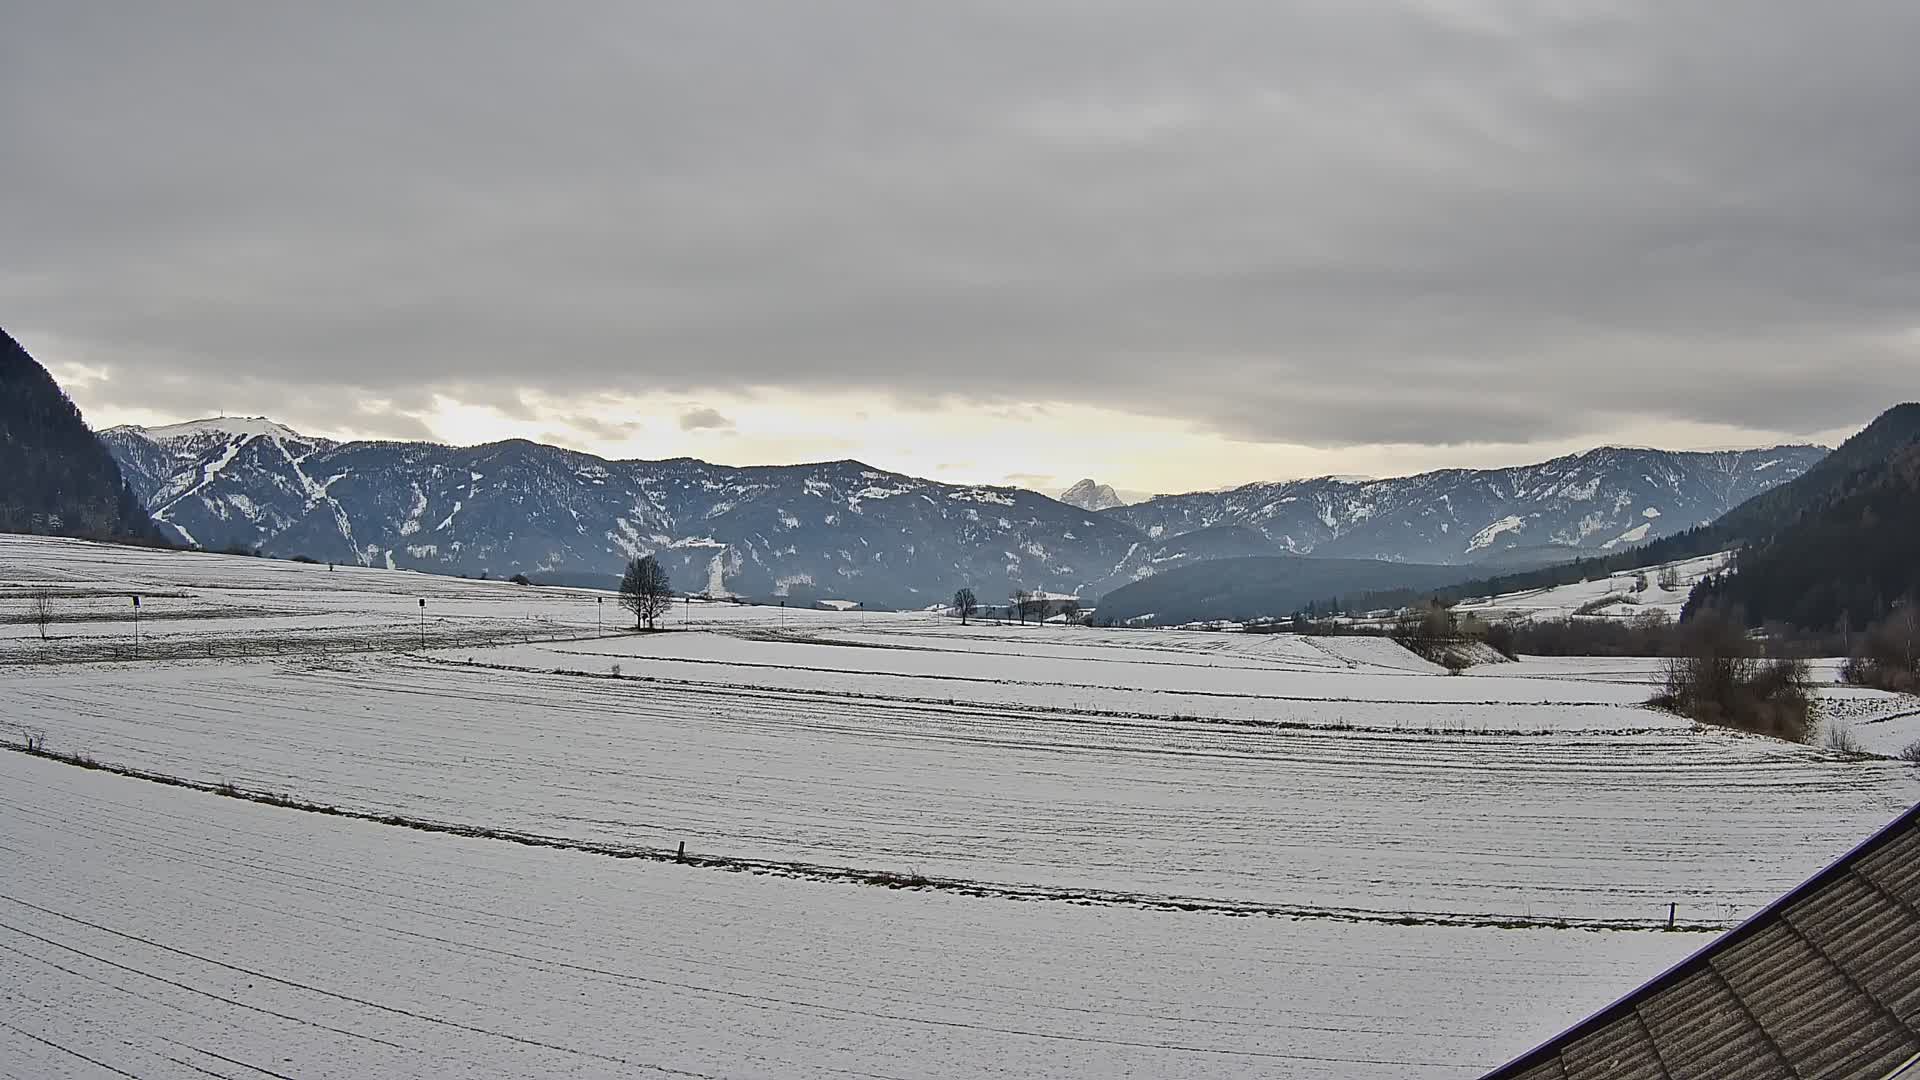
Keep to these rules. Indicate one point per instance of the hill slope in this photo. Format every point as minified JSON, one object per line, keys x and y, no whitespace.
{"x":1846,"y":560}
{"x":55,"y":476}
{"x":1751,"y":522}
{"x":1257,"y":587}
{"x":1607,"y":499}
{"x":832,"y":529}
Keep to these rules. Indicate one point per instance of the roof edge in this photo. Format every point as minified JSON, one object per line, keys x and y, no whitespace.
{"x":1748,"y":928}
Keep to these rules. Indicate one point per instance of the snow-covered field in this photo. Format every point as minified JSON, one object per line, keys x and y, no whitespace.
{"x":1617,"y":596}
{"x":166,"y":933}
{"x":1879,"y":722}
{"x":1434,"y":872}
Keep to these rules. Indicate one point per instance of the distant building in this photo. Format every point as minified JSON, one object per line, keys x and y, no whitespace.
{"x":1824,"y":983}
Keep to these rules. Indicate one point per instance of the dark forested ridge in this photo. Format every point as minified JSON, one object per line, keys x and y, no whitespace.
{"x":1844,"y":562}
{"x":1752,"y":522}
{"x":55,"y":477}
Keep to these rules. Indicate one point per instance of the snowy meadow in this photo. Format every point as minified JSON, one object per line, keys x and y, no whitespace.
{"x":334,"y":832}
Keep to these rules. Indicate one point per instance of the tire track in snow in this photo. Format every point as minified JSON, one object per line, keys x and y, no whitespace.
{"x":309,"y":988}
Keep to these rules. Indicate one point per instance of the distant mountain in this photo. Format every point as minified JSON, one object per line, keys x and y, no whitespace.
{"x":1602,"y":500}
{"x":1752,"y":522}
{"x":1776,"y":508}
{"x":835,"y":529}
{"x":1842,"y":549}
{"x":1268,"y":586}
{"x":55,"y":477}
{"x":829,"y":530}
{"x":1088,"y":495}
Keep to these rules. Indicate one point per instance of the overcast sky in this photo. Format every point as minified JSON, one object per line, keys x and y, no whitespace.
{"x":1169,"y":245}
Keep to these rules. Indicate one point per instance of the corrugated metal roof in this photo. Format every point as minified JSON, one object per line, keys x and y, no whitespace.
{"x":1909,"y":1071}
{"x":1824,"y":983}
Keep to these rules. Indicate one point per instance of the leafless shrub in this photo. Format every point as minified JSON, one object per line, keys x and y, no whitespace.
{"x":1426,"y":631}
{"x":1718,"y":678}
{"x":40,"y":610}
{"x":1911,"y":752}
{"x":1504,"y":638}
{"x":1839,"y":736}
{"x":1888,"y":656}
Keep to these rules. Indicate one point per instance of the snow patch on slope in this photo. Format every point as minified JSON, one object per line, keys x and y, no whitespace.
{"x":1485,"y":537}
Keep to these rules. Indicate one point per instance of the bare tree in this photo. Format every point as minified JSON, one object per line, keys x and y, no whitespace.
{"x":1069,"y":608}
{"x":41,"y":612}
{"x":1669,"y":579}
{"x":1426,"y":630}
{"x":646,"y":590}
{"x":1020,"y":599}
{"x":1718,"y":677}
{"x":965,"y":603}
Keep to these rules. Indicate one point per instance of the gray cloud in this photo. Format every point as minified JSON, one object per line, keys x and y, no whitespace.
{"x":1299,"y":221}
{"x":702,"y":419}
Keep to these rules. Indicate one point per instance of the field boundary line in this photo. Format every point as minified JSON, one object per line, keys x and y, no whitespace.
{"x":1099,"y":714}
{"x":882,"y":878}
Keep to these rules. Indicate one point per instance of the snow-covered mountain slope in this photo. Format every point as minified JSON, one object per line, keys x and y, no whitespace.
{"x":1603,"y":500}
{"x":830,"y":529}
{"x":834,"y":529}
{"x":1088,"y":495}
{"x":1626,"y":594}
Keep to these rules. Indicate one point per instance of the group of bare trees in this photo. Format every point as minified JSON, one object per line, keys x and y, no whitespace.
{"x":1718,"y":676}
{"x":1021,"y":604}
{"x":1888,"y":655}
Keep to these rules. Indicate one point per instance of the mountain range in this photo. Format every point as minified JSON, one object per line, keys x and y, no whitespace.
{"x":1602,"y":500}
{"x":1836,"y":548}
{"x":845,"y":529}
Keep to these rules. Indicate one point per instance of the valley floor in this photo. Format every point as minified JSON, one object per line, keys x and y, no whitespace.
{"x":159,"y":932}
{"x":915,"y":849}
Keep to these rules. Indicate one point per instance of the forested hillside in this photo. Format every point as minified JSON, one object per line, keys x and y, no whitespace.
{"x":1844,"y":562}
{"x":55,"y":476}
{"x":1753,"y":521}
